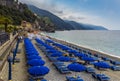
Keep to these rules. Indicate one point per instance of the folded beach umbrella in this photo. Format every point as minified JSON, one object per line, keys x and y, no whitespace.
{"x":39,"y":41}
{"x":51,"y":51}
{"x":50,"y":41}
{"x":63,"y":59}
{"x":33,"y":57}
{"x":57,"y":44}
{"x":65,"y":48}
{"x":38,"y":71}
{"x":80,"y":55}
{"x":48,"y":47}
{"x":32,"y":53}
{"x":102,"y":64}
{"x":89,"y":59}
{"x":56,"y":54}
{"x":36,"y":62}
{"x":76,"y":67}
{"x":72,"y":51}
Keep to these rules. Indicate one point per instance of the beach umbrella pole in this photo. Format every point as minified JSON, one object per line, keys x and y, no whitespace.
{"x":15,"y":51}
{"x":10,"y":68}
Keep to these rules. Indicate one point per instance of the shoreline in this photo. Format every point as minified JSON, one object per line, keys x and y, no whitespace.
{"x":87,"y":48}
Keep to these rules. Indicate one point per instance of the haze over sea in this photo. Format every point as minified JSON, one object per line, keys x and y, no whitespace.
{"x":105,"y":41}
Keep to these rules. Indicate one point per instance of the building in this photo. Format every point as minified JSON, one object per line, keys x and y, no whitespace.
{"x":9,"y":3}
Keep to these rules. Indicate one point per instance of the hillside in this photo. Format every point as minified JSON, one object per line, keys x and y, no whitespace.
{"x":81,"y":26}
{"x":58,"y":22}
{"x":17,"y":15}
{"x":63,"y":24}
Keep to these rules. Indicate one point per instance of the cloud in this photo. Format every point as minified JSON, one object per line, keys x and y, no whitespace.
{"x":62,"y":10}
{"x":44,"y":4}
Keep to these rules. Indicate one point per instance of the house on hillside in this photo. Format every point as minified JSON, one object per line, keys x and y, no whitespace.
{"x":9,"y":3}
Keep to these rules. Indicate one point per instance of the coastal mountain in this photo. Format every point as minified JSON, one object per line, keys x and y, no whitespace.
{"x":61,"y":24}
{"x":81,"y":26}
{"x":58,"y":22}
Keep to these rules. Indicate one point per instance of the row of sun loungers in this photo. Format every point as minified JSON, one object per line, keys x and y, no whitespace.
{"x":101,"y":77}
{"x":115,"y":62}
{"x":99,"y":56}
{"x":115,"y":68}
{"x":59,"y":65}
{"x":90,"y":70}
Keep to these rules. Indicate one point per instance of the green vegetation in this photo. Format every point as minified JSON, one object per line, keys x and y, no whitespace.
{"x":46,"y":24}
{"x":11,"y":17}
{"x":17,"y":15}
{"x":14,"y":16}
{"x":5,"y":21}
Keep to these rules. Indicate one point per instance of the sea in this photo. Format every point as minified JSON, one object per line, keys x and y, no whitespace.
{"x":104,"y":41}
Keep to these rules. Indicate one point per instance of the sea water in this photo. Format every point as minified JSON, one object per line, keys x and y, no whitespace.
{"x":105,"y":41}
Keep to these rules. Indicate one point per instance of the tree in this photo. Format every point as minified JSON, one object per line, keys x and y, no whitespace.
{"x":5,"y":21}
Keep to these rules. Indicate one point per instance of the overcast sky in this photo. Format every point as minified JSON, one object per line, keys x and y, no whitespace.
{"x":97,"y":12}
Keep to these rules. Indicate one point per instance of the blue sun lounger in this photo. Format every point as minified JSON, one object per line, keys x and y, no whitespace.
{"x":61,"y":67}
{"x":73,"y":59}
{"x":101,"y":77}
{"x":53,"y":59}
{"x":106,"y":59}
{"x":115,"y":68}
{"x":70,"y":78}
{"x":57,"y":64}
{"x":64,"y":70}
{"x":90,"y":70}
{"x":115,"y":62}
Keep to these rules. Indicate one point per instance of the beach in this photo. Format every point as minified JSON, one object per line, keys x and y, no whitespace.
{"x":55,"y":75}
{"x":114,"y":75}
{"x":20,"y":73}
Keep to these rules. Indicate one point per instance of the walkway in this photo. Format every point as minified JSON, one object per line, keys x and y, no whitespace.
{"x":19,"y":71}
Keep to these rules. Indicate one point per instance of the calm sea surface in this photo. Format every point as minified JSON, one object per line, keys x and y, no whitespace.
{"x":105,"y":41}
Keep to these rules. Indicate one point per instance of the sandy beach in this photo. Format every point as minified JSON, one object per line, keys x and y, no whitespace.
{"x":20,"y":69}
{"x":54,"y":75}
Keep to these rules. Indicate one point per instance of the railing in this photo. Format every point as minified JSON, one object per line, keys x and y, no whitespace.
{"x":4,"y":37}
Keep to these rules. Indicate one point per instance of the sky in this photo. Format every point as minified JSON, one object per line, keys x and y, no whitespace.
{"x":97,"y":12}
